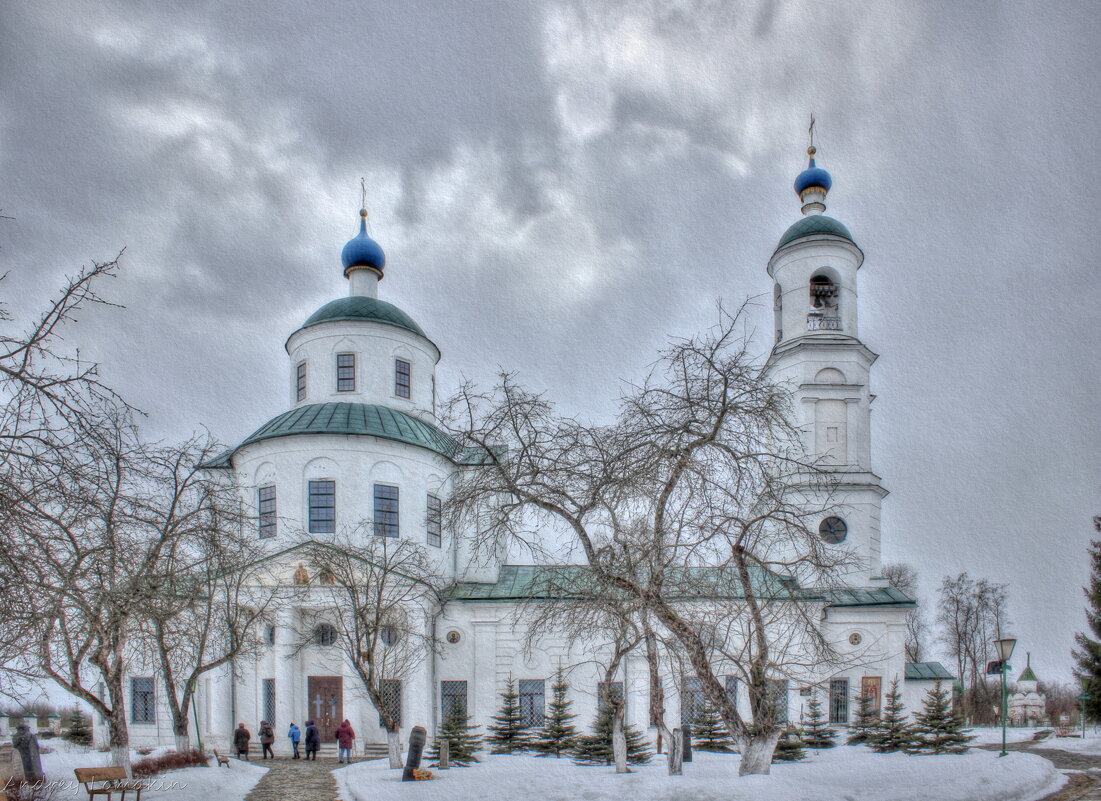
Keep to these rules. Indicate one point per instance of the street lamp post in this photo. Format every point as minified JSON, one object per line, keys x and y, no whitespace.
{"x":1005,"y":650}
{"x":1085,"y":696}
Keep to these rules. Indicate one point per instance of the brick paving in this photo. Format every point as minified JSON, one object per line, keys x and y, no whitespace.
{"x":296,"y":779}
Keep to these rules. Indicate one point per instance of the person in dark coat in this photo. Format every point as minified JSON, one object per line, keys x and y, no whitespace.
{"x":267,"y":737}
{"x":313,"y":740}
{"x":240,"y":741}
{"x":295,"y":735}
{"x":345,"y":736}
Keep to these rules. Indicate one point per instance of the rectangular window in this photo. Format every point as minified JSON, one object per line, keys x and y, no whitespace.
{"x":532,"y":698}
{"x":322,"y":507}
{"x":732,"y":690}
{"x":391,"y":699}
{"x":452,"y":698}
{"x":345,"y":372}
{"x":435,"y":521}
{"x":386,"y":510}
{"x":615,"y":691}
{"x":269,"y":701}
{"x":142,"y":707}
{"x":692,"y":701}
{"x":401,"y":378}
{"x":300,"y":381}
{"x":778,"y":697}
{"x":266,"y":508}
{"x":839,"y":701}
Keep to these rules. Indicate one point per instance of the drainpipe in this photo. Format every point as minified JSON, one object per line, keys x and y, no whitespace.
{"x":232,"y":694}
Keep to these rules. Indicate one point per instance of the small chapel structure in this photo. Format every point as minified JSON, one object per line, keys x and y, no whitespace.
{"x":359,"y":441}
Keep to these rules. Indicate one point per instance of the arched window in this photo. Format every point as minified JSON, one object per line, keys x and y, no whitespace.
{"x":324,"y":634}
{"x":824,"y":308}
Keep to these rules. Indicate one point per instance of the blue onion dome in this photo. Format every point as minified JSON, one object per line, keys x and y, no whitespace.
{"x":362,"y":251}
{"x":812,"y":176}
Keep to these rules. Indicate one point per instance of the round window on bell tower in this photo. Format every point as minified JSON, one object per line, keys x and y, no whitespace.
{"x":833,"y":530}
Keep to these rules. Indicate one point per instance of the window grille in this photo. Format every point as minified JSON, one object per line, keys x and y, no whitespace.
{"x":693,"y":704}
{"x":435,"y":521}
{"x":615,"y":691}
{"x":325,"y":634}
{"x":266,"y":511}
{"x":453,"y":698}
{"x":386,"y":510}
{"x":142,"y":707}
{"x":269,"y":701}
{"x":322,"y":507}
{"x":401,"y":378}
{"x":270,"y":635}
{"x":300,"y":381}
{"x":345,"y":372}
{"x":839,"y":701}
{"x":778,"y":697}
{"x":390,"y":689}
{"x":532,"y":701}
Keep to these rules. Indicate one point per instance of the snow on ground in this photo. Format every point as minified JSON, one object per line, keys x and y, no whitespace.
{"x":989,"y":735}
{"x":188,"y":784}
{"x":1091,"y":744}
{"x":845,"y":773}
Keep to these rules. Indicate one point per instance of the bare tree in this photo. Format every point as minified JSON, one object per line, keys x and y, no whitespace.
{"x":972,"y":614}
{"x":697,"y":503}
{"x":210,"y":606}
{"x":905,"y":578}
{"x":378,"y":592}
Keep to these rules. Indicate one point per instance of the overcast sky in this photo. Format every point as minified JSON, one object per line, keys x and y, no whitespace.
{"x":561,"y":186}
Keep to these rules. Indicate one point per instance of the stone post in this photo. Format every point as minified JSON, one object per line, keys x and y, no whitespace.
{"x":416,"y":748}
{"x":676,"y":752}
{"x":445,"y":754}
{"x":686,"y":733}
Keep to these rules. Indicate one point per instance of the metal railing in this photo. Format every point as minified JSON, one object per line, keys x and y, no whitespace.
{"x":815,"y":323}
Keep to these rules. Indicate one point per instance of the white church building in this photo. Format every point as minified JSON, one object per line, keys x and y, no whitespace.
{"x":359,"y":442}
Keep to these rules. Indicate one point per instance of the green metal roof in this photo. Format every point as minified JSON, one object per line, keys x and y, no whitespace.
{"x":1028,"y":675}
{"x":927,"y":671}
{"x":812,"y":225}
{"x":364,"y":309}
{"x":882,"y":596}
{"x":355,"y":419}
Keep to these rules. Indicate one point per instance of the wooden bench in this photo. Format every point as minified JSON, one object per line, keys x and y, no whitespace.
{"x":221,"y":759}
{"x":113,"y":780}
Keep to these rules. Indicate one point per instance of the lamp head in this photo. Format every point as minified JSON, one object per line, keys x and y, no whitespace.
{"x":1005,"y":647}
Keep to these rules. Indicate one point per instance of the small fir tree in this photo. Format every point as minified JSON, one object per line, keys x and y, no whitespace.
{"x":937,"y":728}
{"x":789,"y":748}
{"x":462,"y":743}
{"x":596,"y":748}
{"x":894,"y":732}
{"x":865,"y":721}
{"x":558,"y":734}
{"x":816,"y":729}
{"x":79,"y":732}
{"x":1087,"y":656}
{"x":709,"y":733}
{"x":508,"y":733}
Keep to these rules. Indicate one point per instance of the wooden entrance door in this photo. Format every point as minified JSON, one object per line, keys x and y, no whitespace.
{"x":872,"y":686}
{"x":326,"y":704}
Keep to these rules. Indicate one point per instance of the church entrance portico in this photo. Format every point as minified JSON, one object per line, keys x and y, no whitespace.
{"x":325,"y":699}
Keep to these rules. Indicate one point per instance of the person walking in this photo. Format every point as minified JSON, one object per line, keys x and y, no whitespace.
{"x":267,"y":737}
{"x":295,"y":735}
{"x":313,"y":740}
{"x":344,"y":738}
{"x":241,"y":736}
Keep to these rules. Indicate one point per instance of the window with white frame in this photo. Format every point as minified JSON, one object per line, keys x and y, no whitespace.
{"x":401,"y":378}
{"x":322,"y":511}
{"x":345,"y":372}
{"x":386,"y":510}
{"x":266,"y":510}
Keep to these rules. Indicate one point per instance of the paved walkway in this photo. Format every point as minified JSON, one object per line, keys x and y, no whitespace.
{"x":1085,"y":786}
{"x":296,"y":779}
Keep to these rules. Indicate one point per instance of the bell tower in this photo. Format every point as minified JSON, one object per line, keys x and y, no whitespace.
{"x":819,"y":355}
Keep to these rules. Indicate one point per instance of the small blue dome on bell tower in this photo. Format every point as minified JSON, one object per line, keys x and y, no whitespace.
{"x":362,"y":251}
{"x":812,"y":176}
